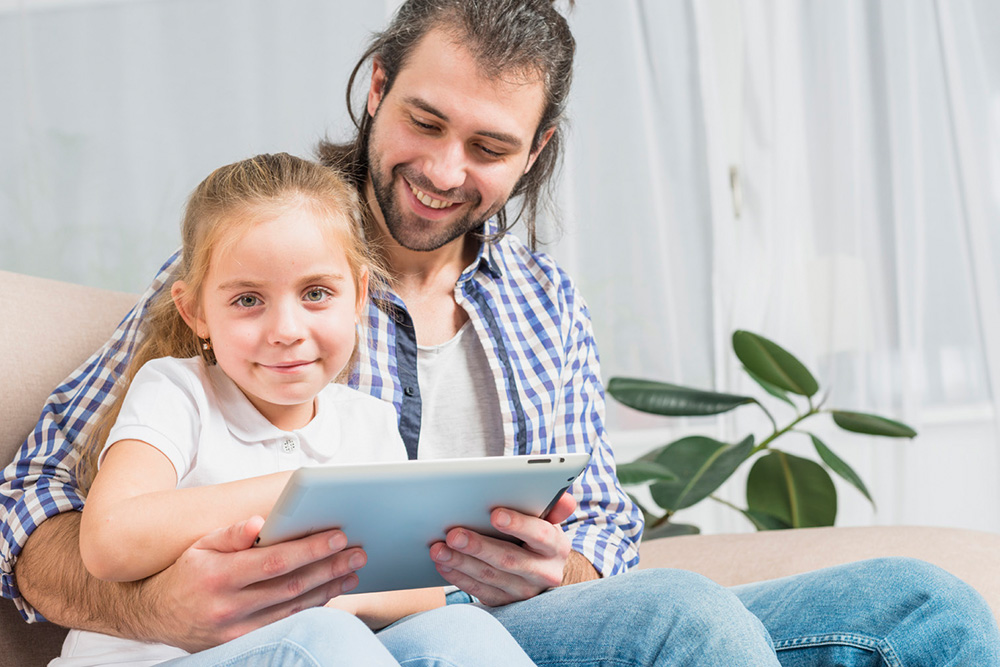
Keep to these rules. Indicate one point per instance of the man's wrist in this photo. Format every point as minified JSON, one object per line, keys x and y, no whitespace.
{"x":578,"y":569}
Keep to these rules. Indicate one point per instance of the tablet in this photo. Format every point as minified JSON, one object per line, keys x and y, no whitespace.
{"x":397,"y":510}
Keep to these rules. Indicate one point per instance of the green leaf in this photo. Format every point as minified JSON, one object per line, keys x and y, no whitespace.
{"x":640,"y":472}
{"x":701,"y":465}
{"x":858,"y":422}
{"x":840,"y":467}
{"x":764,"y":521}
{"x":797,"y":491}
{"x":777,"y":392}
{"x":669,"y":530}
{"x":773,"y":364}
{"x":647,"y":517}
{"x":660,"y":398}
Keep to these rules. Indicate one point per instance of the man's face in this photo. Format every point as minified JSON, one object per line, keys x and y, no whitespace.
{"x":448,"y":143}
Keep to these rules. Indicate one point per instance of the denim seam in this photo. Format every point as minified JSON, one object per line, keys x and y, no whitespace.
{"x":843,"y":639}
{"x":259,"y":650}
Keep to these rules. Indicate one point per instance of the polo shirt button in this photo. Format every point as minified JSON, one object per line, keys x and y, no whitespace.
{"x":288,"y":445}
{"x":409,"y":391}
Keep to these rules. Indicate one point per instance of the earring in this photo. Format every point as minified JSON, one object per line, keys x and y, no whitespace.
{"x":207,"y":351}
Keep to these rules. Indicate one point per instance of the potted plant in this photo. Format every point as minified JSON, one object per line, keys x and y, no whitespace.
{"x":782,"y":490}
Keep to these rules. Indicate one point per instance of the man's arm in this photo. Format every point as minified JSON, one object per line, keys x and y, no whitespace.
{"x":219,"y":589}
{"x":601,"y":537}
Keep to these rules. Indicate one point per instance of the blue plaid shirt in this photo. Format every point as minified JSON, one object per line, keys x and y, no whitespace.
{"x":536,"y":331}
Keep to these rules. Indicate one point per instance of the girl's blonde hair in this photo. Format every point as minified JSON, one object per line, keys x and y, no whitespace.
{"x":230,"y":201}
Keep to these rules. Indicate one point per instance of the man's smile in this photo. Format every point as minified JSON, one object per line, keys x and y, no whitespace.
{"x":427,"y":200}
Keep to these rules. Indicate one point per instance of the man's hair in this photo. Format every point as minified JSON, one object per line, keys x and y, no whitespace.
{"x":523,"y":37}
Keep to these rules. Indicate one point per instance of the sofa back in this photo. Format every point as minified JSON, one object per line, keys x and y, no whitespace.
{"x":47,"y":329}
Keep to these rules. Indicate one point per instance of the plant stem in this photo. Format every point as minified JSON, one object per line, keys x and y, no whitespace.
{"x":767,"y":412}
{"x":725,"y":502}
{"x":663,"y":519}
{"x":777,"y":434}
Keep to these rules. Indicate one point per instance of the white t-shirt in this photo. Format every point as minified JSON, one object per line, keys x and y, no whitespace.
{"x":197,"y":416}
{"x":459,"y":402}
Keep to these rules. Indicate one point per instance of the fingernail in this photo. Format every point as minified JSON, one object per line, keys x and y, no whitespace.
{"x":444,"y":555}
{"x":461,"y":540}
{"x":357,"y":561}
{"x":338,"y":542}
{"x":503,"y":519}
{"x":349,"y":584}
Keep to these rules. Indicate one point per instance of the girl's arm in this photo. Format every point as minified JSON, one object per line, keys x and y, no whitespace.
{"x":378,"y":610}
{"x":136,"y":522}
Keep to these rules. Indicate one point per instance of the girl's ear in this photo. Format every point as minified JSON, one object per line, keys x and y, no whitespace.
{"x":189,"y":311}
{"x":362,"y":282}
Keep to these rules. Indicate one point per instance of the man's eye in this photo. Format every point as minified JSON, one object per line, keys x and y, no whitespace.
{"x":247,"y":301}
{"x":316,"y":295}
{"x":490,"y":153}
{"x":423,"y":126}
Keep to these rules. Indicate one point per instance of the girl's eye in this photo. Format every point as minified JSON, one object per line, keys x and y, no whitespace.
{"x":316,"y":295}
{"x":247,"y":301}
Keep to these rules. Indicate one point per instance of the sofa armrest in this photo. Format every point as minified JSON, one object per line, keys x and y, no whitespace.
{"x":970,"y":555}
{"x":47,"y":329}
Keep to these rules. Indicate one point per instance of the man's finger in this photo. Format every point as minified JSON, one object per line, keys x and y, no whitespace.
{"x":539,"y":536}
{"x":315,"y":597}
{"x":237,"y":537}
{"x":562,"y":510}
{"x":489,"y":595}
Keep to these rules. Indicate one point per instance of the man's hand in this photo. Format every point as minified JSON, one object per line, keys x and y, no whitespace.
{"x":499,"y":572}
{"x":220,"y":588}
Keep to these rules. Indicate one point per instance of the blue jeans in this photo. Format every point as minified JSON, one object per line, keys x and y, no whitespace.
{"x":883,"y":612}
{"x":451,"y":636}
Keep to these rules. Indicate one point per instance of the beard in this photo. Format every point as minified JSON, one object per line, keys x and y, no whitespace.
{"x":408,"y":229}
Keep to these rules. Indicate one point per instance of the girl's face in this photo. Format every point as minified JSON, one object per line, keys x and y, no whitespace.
{"x":280,"y":307}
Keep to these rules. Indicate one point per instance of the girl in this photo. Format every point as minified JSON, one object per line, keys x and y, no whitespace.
{"x":231,"y":389}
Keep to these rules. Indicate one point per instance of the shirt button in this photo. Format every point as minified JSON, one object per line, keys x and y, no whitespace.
{"x":409,"y":391}
{"x":288,"y":446}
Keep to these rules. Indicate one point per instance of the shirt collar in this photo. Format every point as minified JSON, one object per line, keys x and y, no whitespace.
{"x":486,"y":257}
{"x":248,"y":425}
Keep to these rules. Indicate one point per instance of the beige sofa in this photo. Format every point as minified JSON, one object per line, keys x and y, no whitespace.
{"x":48,"y":328}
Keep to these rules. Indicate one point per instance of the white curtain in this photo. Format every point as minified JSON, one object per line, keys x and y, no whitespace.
{"x":865,"y":139}
{"x":868,"y":161}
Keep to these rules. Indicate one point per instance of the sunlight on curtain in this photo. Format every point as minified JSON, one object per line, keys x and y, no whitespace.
{"x":865,"y":245}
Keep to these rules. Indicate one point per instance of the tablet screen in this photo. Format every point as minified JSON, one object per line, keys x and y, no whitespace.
{"x":397,"y":510}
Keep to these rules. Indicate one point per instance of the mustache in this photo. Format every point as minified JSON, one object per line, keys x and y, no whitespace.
{"x":418,"y":180}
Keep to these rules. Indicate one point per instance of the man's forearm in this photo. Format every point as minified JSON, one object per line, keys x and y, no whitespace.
{"x":578,"y":569}
{"x":52,"y":578}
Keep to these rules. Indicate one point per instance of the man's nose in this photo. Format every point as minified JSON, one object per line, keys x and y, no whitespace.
{"x":446,"y":168}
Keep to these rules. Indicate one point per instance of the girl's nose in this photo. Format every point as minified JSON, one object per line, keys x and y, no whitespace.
{"x":285,"y":326}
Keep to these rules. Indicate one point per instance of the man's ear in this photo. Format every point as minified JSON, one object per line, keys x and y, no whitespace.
{"x":538,"y":151}
{"x":377,"y":88}
{"x":185,"y":305}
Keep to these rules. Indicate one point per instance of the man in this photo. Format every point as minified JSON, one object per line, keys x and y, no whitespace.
{"x":484,"y":347}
